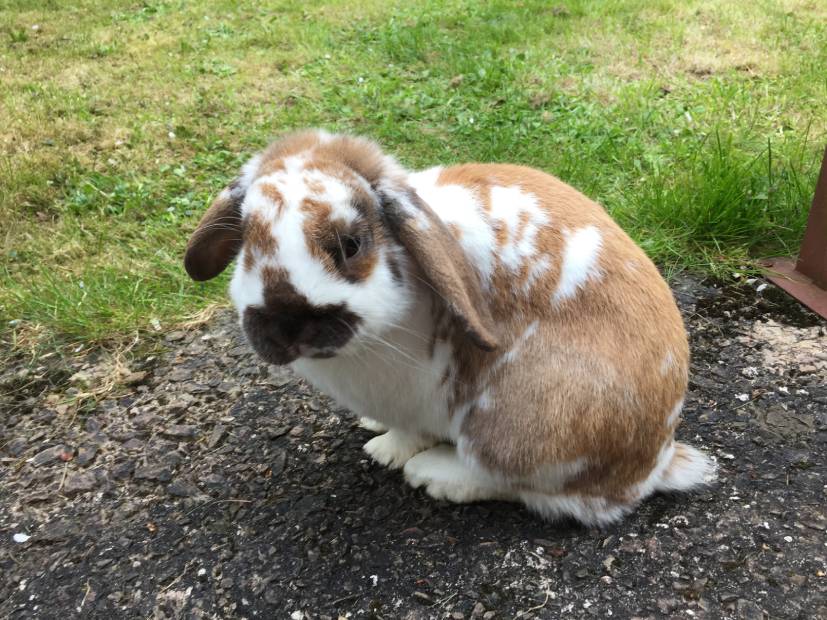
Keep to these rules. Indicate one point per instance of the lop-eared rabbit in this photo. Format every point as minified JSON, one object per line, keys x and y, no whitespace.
{"x":507,"y":339}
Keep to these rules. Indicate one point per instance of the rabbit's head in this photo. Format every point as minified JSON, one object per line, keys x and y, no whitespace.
{"x":331,"y":245}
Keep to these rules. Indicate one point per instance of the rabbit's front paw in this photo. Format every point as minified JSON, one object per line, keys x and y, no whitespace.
{"x":369,"y":424}
{"x":394,"y":448}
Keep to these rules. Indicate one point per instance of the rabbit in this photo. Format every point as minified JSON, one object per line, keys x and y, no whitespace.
{"x":503,"y":334}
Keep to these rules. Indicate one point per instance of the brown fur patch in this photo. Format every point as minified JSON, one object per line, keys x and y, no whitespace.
{"x":288,"y":325}
{"x":258,"y":234}
{"x":325,"y":241}
{"x":272,"y":192}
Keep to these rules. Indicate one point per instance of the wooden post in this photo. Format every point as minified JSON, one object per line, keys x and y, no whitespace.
{"x":806,"y":278}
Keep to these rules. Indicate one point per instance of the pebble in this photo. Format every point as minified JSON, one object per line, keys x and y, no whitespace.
{"x":216,"y":435}
{"x":123,"y":470}
{"x":135,"y":378}
{"x":79,"y":483}
{"x":179,"y":374}
{"x":181,"y":430}
{"x":47,"y":456}
{"x":152,"y":472}
{"x":278,"y":462}
{"x":86,"y":453}
{"x":747,"y":610}
{"x":134,"y":444}
{"x":182,"y":488}
{"x":175,"y":336}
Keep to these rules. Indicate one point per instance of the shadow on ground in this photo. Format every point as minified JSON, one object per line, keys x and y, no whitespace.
{"x":216,"y":487}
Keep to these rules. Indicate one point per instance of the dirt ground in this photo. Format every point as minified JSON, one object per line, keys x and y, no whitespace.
{"x":214,"y":487}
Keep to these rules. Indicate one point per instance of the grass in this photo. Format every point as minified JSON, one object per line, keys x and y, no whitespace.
{"x":698,"y":124}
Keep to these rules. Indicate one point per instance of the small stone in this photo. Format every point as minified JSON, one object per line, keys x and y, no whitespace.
{"x":47,"y":456}
{"x":277,"y":377}
{"x":179,"y":374}
{"x":17,"y":446}
{"x":175,"y":336}
{"x":181,"y":430}
{"x":422,"y":596}
{"x":747,"y":610}
{"x":79,"y":483}
{"x":214,"y":481}
{"x":798,"y":580}
{"x":56,"y":531}
{"x":20,"y":537}
{"x":123,"y":470}
{"x":86,"y":453}
{"x":216,"y":435}
{"x":277,"y":465}
{"x":144,"y":420}
{"x":279,"y":431}
{"x":152,"y":472}
{"x":178,"y":406}
{"x":666,"y":605}
{"x":479,"y":610}
{"x":134,"y":444}
{"x":135,"y":378}
{"x":182,"y":488}
{"x":93,"y":425}
{"x":488,"y":615}
{"x":296,"y":431}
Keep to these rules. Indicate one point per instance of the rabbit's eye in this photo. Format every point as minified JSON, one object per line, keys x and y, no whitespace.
{"x":350,"y":246}
{"x":344,"y":248}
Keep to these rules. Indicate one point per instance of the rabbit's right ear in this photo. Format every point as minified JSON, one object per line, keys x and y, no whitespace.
{"x":217,"y":238}
{"x":442,"y":261}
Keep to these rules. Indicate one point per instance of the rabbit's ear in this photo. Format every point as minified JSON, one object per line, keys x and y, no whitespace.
{"x":442,"y":261}
{"x":217,"y":238}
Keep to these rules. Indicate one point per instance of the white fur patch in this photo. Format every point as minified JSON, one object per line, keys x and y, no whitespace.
{"x":580,"y":261}
{"x":249,"y":171}
{"x":394,"y":448}
{"x":667,"y":364}
{"x":675,"y":413}
{"x":246,"y":288}
{"x":681,"y":475}
{"x":519,"y":214}
{"x":458,"y":205}
{"x":369,"y":424}
{"x":511,"y":355}
{"x":587,"y":510}
{"x":485,"y":400}
{"x":445,"y":476}
{"x":694,"y":469}
{"x":538,"y":268}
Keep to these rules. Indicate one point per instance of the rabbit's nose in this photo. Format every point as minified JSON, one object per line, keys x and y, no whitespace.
{"x":271,"y":336}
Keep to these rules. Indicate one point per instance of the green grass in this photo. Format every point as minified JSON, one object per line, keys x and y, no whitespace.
{"x":699,"y":125}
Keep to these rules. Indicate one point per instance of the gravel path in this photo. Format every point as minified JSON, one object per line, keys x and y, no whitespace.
{"x":206,"y":485}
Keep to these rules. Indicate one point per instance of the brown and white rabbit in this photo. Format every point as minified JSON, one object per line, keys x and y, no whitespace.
{"x":509,"y":338}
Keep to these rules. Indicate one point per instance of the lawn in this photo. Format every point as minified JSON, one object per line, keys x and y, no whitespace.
{"x":698,"y":124}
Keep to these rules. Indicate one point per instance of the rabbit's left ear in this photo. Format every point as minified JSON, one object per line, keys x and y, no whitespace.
{"x":217,"y":238}
{"x":442,"y":261}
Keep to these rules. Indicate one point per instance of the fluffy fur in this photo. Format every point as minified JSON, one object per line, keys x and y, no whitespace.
{"x":504,"y":333}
